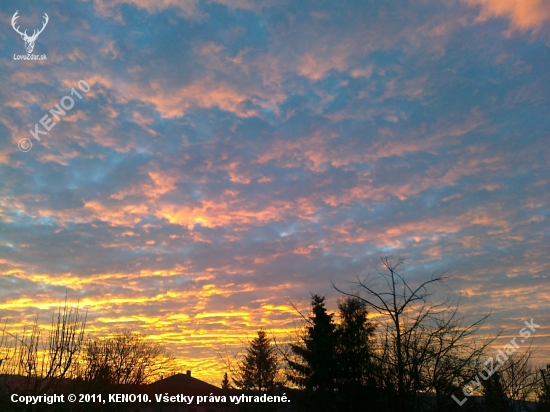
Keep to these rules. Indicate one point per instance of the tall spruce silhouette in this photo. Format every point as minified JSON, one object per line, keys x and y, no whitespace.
{"x":495,"y":397}
{"x":225,"y":382}
{"x":544,"y":397}
{"x":258,"y":368}
{"x":354,"y":355}
{"x":314,"y":364}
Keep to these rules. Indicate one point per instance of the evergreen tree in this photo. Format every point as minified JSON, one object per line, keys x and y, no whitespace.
{"x":544,"y":397}
{"x":225,"y":382}
{"x":258,"y":368}
{"x":313,"y":366}
{"x":355,"y":334}
{"x":495,"y":397}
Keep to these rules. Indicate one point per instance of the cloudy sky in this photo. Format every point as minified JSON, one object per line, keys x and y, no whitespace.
{"x":233,"y":154}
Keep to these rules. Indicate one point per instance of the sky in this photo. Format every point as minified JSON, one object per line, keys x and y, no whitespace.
{"x":230,"y":156}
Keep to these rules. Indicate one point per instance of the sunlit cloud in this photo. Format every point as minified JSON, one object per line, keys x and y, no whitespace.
{"x":233,"y":157}
{"x":523,"y":14}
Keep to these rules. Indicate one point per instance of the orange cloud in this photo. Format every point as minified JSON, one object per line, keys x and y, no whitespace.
{"x":203,"y":93}
{"x":523,"y":14}
{"x":187,"y":7}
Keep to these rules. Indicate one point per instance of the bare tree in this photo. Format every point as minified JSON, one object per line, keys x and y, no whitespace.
{"x":520,"y":380}
{"x":6,"y":351}
{"x":44,"y":362}
{"x":423,"y":346}
{"x":125,"y":358}
{"x":6,"y":360}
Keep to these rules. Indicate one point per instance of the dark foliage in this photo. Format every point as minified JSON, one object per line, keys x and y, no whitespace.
{"x":495,"y":398}
{"x":314,"y":366}
{"x":258,"y":368}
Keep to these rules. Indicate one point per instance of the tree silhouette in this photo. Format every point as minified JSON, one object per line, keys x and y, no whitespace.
{"x":125,"y":358}
{"x":258,"y":368}
{"x":355,"y":336}
{"x":519,"y":379}
{"x":495,"y":397}
{"x":225,"y":382}
{"x":44,"y":362}
{"x":313,"y":361}
{"x":422,"y":346}
{"x":544,"y":396}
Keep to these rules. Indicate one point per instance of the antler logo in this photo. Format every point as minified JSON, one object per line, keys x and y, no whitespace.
{"x":29,"y":40}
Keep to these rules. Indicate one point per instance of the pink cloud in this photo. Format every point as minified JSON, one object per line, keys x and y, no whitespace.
{"x":188,"y":7}
{"x":523,"y":14}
